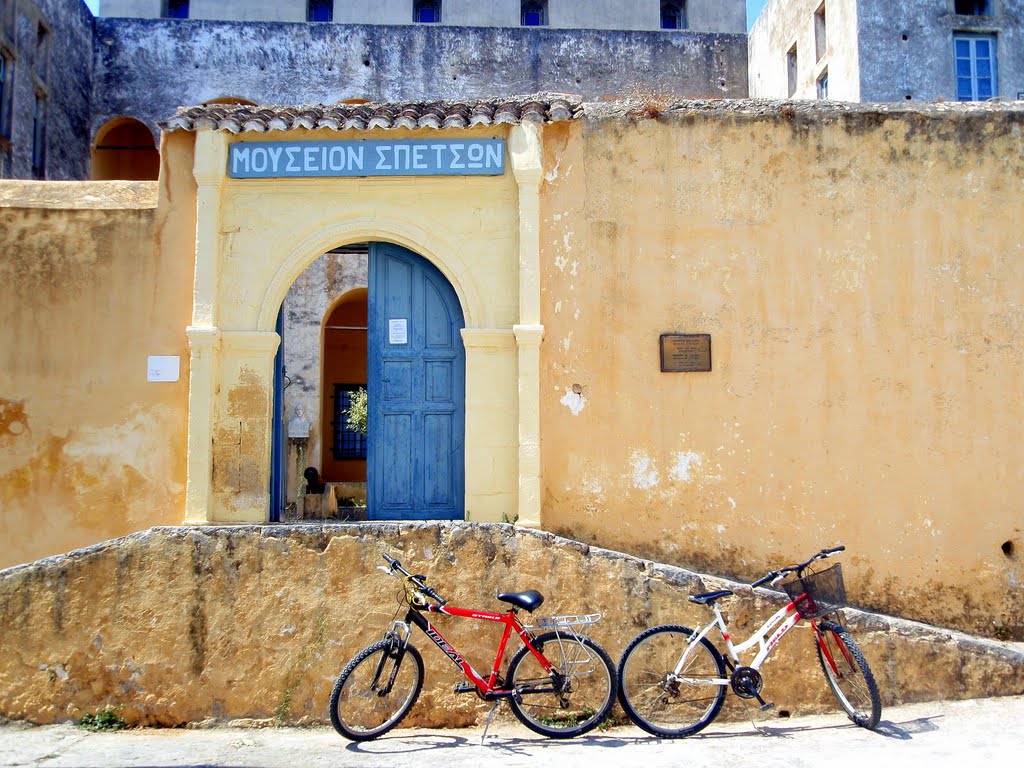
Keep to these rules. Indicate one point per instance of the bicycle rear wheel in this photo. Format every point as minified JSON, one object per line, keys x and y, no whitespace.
{"x":578,"y":700}
{"x":661,"y":700}
{"x":376,"y":690}
{"x":848,"y":675}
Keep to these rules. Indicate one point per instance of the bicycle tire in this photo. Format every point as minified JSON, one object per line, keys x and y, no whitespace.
{"x":359,"y":710}
{"x":851,"y":681}
{"x":655,"y":698}
{"x":587,"y":692}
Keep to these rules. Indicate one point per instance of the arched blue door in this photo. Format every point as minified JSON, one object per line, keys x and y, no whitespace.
{"x":416,"y":390}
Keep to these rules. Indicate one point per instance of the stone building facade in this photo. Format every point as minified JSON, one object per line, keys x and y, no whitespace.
{"x":882,"y":51}
{"x":46,"y":66}
{"x":698,"y":15}
{"x":81,"y":97}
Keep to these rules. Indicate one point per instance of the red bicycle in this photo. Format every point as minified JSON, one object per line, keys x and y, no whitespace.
{"x":559,"y":683}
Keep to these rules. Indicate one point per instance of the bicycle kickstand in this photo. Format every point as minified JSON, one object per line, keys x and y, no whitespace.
{"x":490,"y":717}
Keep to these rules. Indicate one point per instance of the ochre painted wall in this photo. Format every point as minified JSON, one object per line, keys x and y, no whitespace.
{"x":89,"y":450}
{"x":254,"y":237}
{"x":861,"y":273}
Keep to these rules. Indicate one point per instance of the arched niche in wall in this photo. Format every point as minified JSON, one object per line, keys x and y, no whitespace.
{"x":230,"y":100}
{"x":125,"y":149}
{"x":344,"y":367}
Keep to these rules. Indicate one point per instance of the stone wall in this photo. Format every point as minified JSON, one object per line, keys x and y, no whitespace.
{"x":146,"y":68}
{"x":57,"y":62}
{"x":180,"y":625}
{"x":906,"y":48}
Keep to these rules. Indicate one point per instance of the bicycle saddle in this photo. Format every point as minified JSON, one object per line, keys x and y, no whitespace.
{"x":531,"y":599}
{"x":708,"y":598}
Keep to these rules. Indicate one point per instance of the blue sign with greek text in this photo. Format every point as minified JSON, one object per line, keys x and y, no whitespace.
{"x":303,"y":159}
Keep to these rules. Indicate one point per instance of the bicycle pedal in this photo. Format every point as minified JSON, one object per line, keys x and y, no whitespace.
{"x":464,"y":688}
{"x":767,"y":706}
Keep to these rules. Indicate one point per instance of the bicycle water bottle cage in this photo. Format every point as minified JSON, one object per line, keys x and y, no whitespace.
{"x":708,"y":598}
{"x":529,"y":600}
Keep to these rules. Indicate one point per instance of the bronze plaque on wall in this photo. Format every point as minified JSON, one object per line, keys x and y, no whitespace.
{"x":685,"y":352}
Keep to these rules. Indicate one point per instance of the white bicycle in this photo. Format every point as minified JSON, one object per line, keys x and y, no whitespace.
{"x":673,"y":680}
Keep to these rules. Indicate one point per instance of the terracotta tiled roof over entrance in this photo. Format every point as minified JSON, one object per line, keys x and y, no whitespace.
{"x":239,"y":118}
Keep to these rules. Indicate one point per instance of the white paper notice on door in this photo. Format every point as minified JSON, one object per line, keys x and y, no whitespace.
{"x":398,"y":331}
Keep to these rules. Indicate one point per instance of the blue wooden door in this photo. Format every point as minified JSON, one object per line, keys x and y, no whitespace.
{"x":416,"y":390}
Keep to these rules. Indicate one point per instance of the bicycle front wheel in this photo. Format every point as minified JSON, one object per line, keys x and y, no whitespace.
{"x":848,"y":675}
{"x":376,"y":690}
{"x":670,"y":685}
{"x":576,"y":700}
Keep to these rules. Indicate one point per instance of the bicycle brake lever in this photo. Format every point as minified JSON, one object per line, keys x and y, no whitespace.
{"x":385,"y":569}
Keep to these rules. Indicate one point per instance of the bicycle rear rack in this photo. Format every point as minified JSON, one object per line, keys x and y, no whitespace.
{"x":577,"y":624}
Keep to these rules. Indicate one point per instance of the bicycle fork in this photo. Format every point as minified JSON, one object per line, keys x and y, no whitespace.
{"x":398,"y":634}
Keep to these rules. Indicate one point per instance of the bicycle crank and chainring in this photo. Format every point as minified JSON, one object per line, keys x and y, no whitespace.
{"x":746,"y":682}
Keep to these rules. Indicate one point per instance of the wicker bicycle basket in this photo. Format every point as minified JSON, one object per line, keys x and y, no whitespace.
{"x":816,"y":594}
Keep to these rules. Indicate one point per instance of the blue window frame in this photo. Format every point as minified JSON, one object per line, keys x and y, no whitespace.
{"x":175,"y":9}
{"x":972,"y":7}
{"x":975,"y":62}
{"x":426,"y":12}
{"x":673,"y":14}
{"x":346,"y":443}
{"x":39,"y":137}
{"x":534,"y":13}
{"x":320,"y":10}
{"x":6,"y":92}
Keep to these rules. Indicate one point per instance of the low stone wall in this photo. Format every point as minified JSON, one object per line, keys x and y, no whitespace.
{"x":180,"y":625}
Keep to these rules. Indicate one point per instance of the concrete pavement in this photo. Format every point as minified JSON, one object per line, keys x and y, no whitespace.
{"x":934,"y":734}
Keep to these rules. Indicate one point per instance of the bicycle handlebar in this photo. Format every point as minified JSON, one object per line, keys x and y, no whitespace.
{"x":417,"y":580}
{"x":774,"y":576}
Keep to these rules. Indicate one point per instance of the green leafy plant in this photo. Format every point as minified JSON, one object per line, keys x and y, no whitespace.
{"x":355,"y":414}
{"x":106,"y":719}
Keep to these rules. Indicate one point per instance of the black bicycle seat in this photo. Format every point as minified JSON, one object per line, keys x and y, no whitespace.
{"x":530,"y":600}
{"x":708,"y":598}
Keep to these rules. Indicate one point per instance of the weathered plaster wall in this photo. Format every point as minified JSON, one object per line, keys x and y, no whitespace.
{"x":860,"y":272}
{"x":907,"y":48}
{"x":89,"y":449}
{"x":147,"y":68}
{"x":57,"y":63}
{"x":704,"y":15}
{"x":179,"y":625}
{"x":787,"y":23}
{"x":256,"y":238}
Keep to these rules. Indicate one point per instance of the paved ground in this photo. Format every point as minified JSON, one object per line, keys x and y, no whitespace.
{"x":959,"y":734}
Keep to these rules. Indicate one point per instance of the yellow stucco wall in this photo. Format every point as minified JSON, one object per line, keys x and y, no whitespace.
{"x":858,"y":269}
{"x":254,"y":238}
{"x":89,"y":450}
{"x":862,"y":279}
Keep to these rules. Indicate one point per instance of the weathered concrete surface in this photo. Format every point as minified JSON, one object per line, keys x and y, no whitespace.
{"x":184,"y":625}
{"x":936,"y":734}
{"x":146,"y":68}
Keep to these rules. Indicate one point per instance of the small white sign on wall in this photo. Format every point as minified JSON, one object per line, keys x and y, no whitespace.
{"x":398,"y":331}
{"x":163,"y":368}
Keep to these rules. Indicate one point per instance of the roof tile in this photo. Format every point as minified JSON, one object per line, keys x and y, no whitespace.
{"x":241,"y":118}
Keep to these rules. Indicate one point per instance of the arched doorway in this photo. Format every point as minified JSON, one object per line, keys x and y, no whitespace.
{"x":124,"y":149}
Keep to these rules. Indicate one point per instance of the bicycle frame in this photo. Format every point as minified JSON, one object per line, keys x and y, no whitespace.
{"x":766,"y":637}
{"x":488,"y":687}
